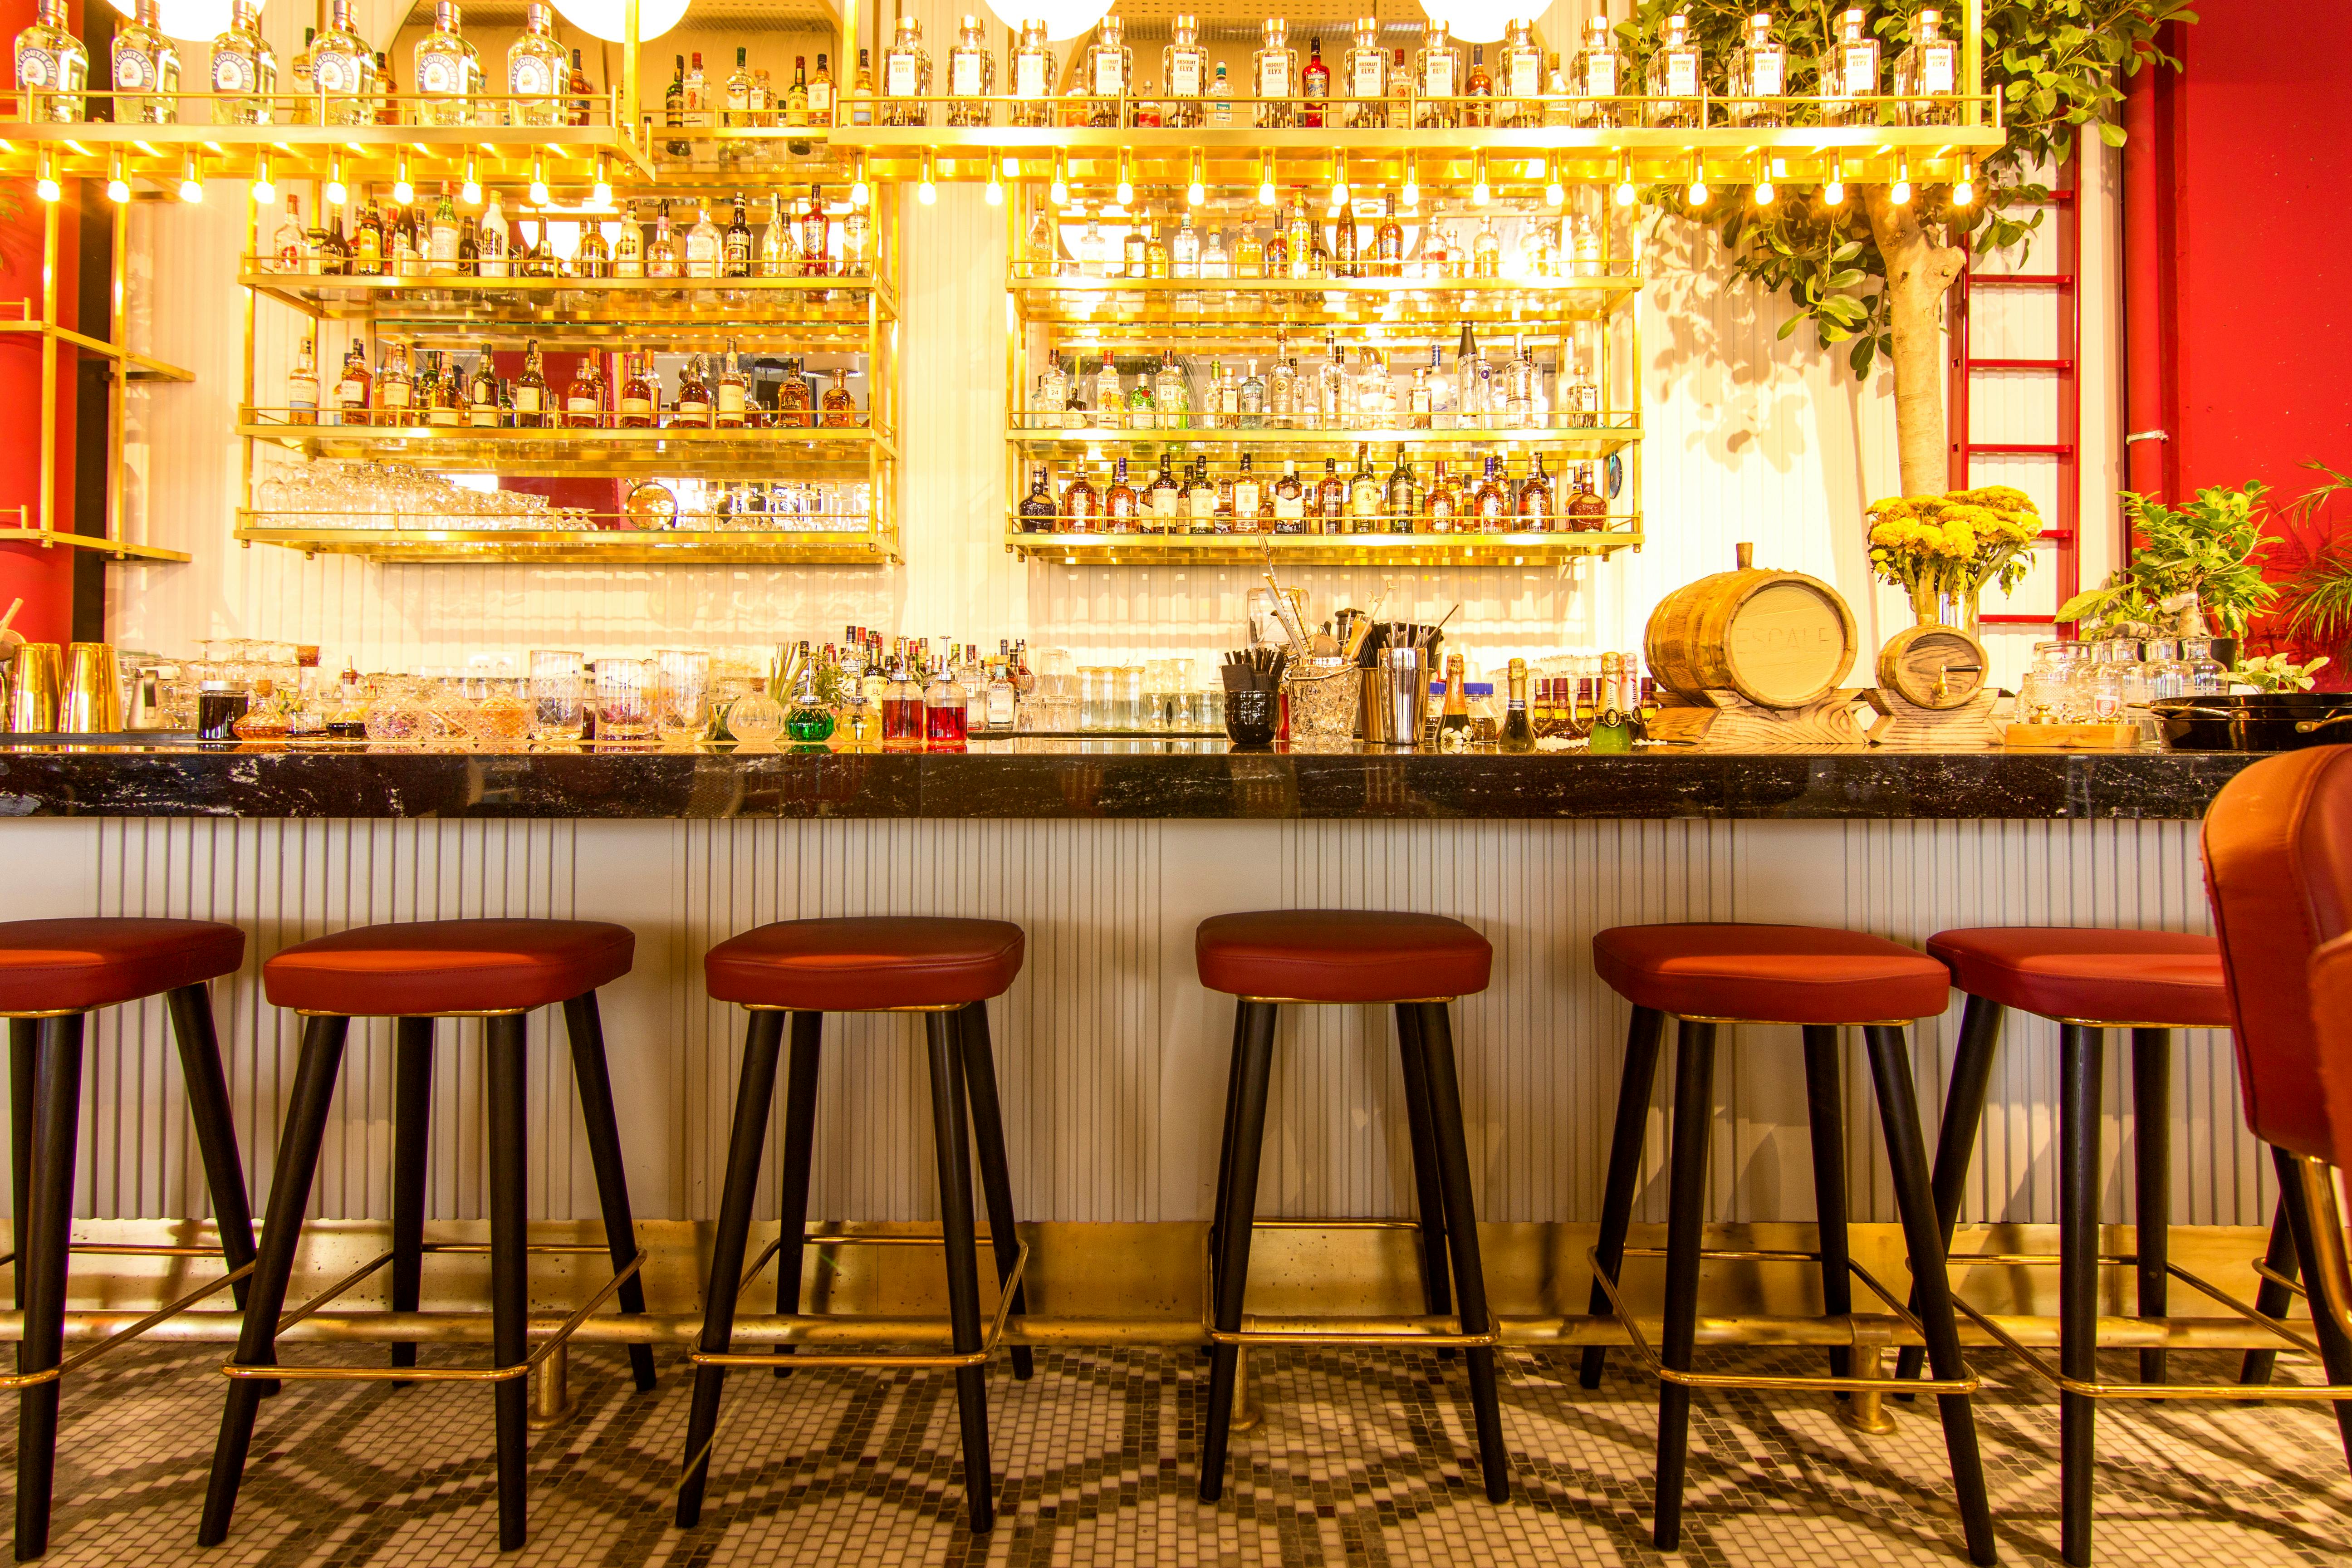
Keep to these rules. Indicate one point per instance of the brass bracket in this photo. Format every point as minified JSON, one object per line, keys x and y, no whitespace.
{"x":953,"y":1359}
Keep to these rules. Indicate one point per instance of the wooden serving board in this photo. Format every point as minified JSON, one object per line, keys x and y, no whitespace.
{"x":2072,"y":737}
{"x":1904,"y":723}
{"x":1725,"y":720}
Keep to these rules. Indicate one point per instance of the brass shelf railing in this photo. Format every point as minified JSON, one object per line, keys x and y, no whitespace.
{"x":1575,"y":441}
{"x":818,"y":541}
{"x":682,"y":453}
{"x":648,"y":312}
{"x":1323,"y":550}
{"x":1199,"y":307}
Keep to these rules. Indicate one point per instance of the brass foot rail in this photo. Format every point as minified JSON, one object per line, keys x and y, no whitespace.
{"x":132,"y":1331}
{"x":1006,"y":1291}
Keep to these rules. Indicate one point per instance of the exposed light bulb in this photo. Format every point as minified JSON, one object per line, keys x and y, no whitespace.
{"x":1834,"y":191}
{"x":539,"y":197}
{"x":1480,"y":192}
{"x":264,"y":193}
{"x":1964,"y":189}
{"x":1901,"y":194}
{"x":1555,"y":194}
{"x":1265,"y":193}
{"x":335,"y":192}
{"x":1339,"y":197}
{"x":1697,"y":192}
{"x":601,"y":194}
{"x":404,"y":189}
{"x":48,"y":189}
{"x":996,"y":191}
{"x":118,"y":189}
{"x":1125,"y":194}
{"x":470,"y":193}
{"x":928,"y":192}
{"x":859,"y":191}
{"x":1765,"y":193}
{"x":1410,"y":196}
{"x":1059,"y":192}
{"x":191,"y":187}
{"x":1195,"y":193}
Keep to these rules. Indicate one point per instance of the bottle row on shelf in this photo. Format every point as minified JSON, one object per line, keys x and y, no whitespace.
{"x":1611,"y":76}
{"x":1245,"y":500}
{"x":392,"y":239}
{"x":1517,"y":393}
{"x":430,"y":388}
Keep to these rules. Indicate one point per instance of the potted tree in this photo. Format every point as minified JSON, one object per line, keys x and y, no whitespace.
{"x":2194,"y":571}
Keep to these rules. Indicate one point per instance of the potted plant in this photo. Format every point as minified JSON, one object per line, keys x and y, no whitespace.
{"x":1944,"y":549}
{"x":2195,"y":571}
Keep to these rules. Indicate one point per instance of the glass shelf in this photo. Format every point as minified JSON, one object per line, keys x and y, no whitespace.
{"x":1580,"y":441}
{"x":680,"y":452}
{"x":862,"y":545}
{"x":1218,"y":307}
{"x":1324,"y":549}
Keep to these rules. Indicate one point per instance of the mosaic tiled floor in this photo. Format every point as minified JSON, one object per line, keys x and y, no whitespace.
{"x":1362,"y":1459}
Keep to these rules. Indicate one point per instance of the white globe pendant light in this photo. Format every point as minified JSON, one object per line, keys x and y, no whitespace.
{"x":609,"y":19}
{"x":1064,"y":19}
{"x":1475,"y":21}
{"x":190,"y":21}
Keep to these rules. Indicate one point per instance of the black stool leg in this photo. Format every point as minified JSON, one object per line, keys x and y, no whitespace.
{"x":23,"y":1034}
{"x":412,"y":1159}
{"x":584,"y":1026}
{"x":1641,"y":1042}
{"x":1429,"y":1193}
{"x":1694,"y":1127}
{"x":995,"y":1171}
{"x":744,"y":1146}
{"x":281,"y":1233}
{"x":1230,"y":1281}
{"x":1907,"y":1157}
{"x":799,"y":1150}
{"x":43,"y":1231}
{"x":191,"y":1008}
{"x":1461,"y":1240}
{"x":2152,"y":1179}
{"x":2335,"y":1350}
{"x":510,"y":1270}
{"x":2272,"y":1298}
{"x":1955,"y":1139}
{"x":2080,"y":1068}
{"x":949,"y":1132}
{"x":1225,"y":1140}
{"x":1825,"y":1116}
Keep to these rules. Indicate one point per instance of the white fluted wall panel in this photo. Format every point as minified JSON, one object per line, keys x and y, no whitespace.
{"x":1111,"y":1057}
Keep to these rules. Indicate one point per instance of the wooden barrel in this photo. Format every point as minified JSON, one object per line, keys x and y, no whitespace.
{"x":1779,"y":639}
{"x":1936,"y":667}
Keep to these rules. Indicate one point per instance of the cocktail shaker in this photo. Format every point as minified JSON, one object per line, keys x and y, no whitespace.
{"x":91,"y":702}
{"x":33,"y":695}
{"x":1395,"y":689}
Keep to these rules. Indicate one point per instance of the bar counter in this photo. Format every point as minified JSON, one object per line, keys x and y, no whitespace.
{"x":1108,"y":780}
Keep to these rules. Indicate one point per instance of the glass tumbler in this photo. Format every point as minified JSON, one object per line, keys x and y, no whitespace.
{"x":557,"y":682}
{"x":681,"y":695}
{"x":1127,"y":698}
{"x":625,"y":699}
{"x":1094,"y":697}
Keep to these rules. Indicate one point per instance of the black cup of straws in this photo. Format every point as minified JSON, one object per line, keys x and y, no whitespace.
{"x":1251,"y":716}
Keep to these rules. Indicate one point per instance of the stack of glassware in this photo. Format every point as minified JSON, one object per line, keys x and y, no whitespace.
{"x":336,"y":493}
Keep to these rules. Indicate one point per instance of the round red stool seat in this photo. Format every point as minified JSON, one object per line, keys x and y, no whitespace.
{"x":75,"y":965}
{"x":2156,"y":977}
{"x":1341,"y":955}
{"x":1769,"y":973}
{"x":416,"y":968}
{"x":866,"y":963}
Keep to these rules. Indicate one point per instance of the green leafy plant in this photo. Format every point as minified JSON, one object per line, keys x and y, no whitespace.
{"x":1870,"y":273}
{"x":2187,"y":563}
{"x":2277,"y":672}
{"x":2316,"y":598}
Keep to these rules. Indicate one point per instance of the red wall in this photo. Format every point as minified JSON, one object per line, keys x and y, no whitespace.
{"x":42,"y":578}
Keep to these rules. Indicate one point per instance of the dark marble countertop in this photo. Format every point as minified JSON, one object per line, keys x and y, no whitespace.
{"x":1130,"y":779}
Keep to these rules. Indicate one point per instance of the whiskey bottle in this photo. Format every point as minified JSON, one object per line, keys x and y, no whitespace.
{"x":1365,"y":66}
{"x":1478,"y":91}
{"x":860,"y":103}
{"x":1289,"y":501}
{"x":1081,"y":505}
{"x":907,"y":75}
{"x":395,"y":390}
{"x":575,"y":82}
{"x":1597,"y":73}
{"x":1675,"y":74}
{"x":529,"y":391}
{"x":1330,"y":509}
{"x":355,"y":391}
{"x":735,"y":244}
{"x":1848,"y":71}
{"x":1200,"y":499}
{"x":1365,"y":494}
{"x":445,"y":397}
{"x":1120,"y":503}
{"x":1221,"y":516}
{"x":795,"y":400}
{"x":972,"y":77}
{"x":1534,"y":508}
{"x":1184,"y":68}
{"x":674,"y":106}
{"x":146,"y":69}
{"x":839,"y":407}
{"x":244,"y":68}
{"x":640,"y":406}
{"x":583,"y":400}
{"x":1037,"y":508}
{"x":1246,"y":495}
{"x":537,"y":72}
{"x":729,"y":396}
{"x":482,"y":394}
{"x":302,"y":385}
{"x":593,"y":259}
{"x":1757,"y":74}
{"x":1163,"y":500}
{"x":1437,"y":76}
{"x":1403,"y":495}
{"x":1519,"y":74}
{"x":820,"y":93}
{"x":448,"y":71}
{"x":692,"y":411}
{"x":1315,"y":87}
{"x":1926,"y":72}
{"x":1588,"y":511}
{"x":1441,"y":507}
{"x":1491,"y":503}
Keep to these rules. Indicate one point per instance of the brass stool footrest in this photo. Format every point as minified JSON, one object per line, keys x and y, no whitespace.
{"x":1447,"y":1334}
{"x":2092,"y":1388}
{"x":549,"y":1346}
{"x":131,"y":1331}
{"x":989,"y":1343}
{"x":1968,"y":1382}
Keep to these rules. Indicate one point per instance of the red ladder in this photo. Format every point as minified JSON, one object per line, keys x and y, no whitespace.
{"x":2060,"y":284}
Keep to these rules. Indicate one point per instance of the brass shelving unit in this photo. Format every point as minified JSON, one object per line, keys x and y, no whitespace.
{"x":460,"y":546}
{"x":1312,"y":550}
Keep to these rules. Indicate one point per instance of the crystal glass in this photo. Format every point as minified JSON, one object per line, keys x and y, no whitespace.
{"x":2205,"y":676}
{"x":1095,"y":698}
{"x":1324,"y":697}
{"x":446,"y":701}
{"x":625,"y":699}
{"x":755,"y":719}
{"x":558,"y":688}
{"x":682,"y":695}
{"x":502,"y":710}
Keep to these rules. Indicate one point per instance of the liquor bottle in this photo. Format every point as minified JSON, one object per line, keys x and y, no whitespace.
{"x":482,"y":394}
{"x":1250,"y":259}
{"x":1133,"y":245}
{"x":334,"y":251}
{"x":1081,"y":505}
{"x":444,"y":397}
{"x":1290,"y":499}
{"x":1200,"y":499}
{"x":355,"y":389}
{"x":495,"y":242}
{"x":703,"y":247}
{"x":820,"y":92}
{"x":729,"y":394}
{"x":1246,"y":495}
{"x":302,"y":385}
{"x":576,"y":109}
{"x":1437,"y":76}
{"x":1221,"y":516}
{"x":244,"y":68}
{"x":1442,"y":508}
{"x":796,"y":96}
{"x":696,"y":91}
{"x":1485,"y":251}
{"x":1163,"y":498}
{"x":1035,"y":73}
{"x":529,"y":391}
{"x":342,"y":70}
{"x":780,"y":241}
{"x":537,"y":72}
{"x":584,"y":399}
{"x":946,"y":715}
{"x":448,"y":71}
{"x":661,"y":251}
{"x":673,"y":105}
{"x":1003,"y":695}
{"x":1344,"y":244}
{"x":1522,"y":397}
{"x":1120,"y":503}
{"x":905,"y":76}
{"x":1454,"y":723}
{"x":1518,"y":77}
{"x":796,"y":401}
{"x":1037,"y":508}
{"x":1444,"y":392}
{"x":1403,"y":496}
{"x":395,"y":389}
{"x":839,"y":407}
{"x":971,"y":76}
{"x":1365,"y":77}
{"x":1533,"y":507}
{"x":1281,"y":384}
{"x":1250,"y":404}
{"x":1273,"y":76}
{"x":387,"y":91}
{"x":1580,"y":400}
{"x":1491,"y":503}
{"x":441,"y":236}
{"x":1331,"y":507}
{"x":1171,"y":395}
{"x":902,"y":707}
{"x":1315,"y":87}
{"x":1518,"y":733}
{"x":1184,"y":68}
{"x":1111,"y":400}
{"x":735,"y":244}
{"x":1142,"y":410}
{"x":1478,"y":91}
{"x":1588,"y":510}
{"x":1220,"y":107}
{"x":1848,"y":69}
{"x":146,"y":69}
{"x":1758,"y":72}
{"x":289,"y":245}
{"x":52,"y":65}
{"x":1597,"y":72}
{"x":692,"y":411}
{"x":1364,"y":494}
{"x":736,"y":93}
{"x":1926,"y":72}
{"x":594,"y":256}
{"x":1422,"y":400}
{"x":816,"y":259}
{"x":400,"y":247}
{"x":1556,"y":110}
{"x":640,"y":407}
{"x":860,"y":100}
{"x":1110,"y":71}
{"x":1674,"y":75}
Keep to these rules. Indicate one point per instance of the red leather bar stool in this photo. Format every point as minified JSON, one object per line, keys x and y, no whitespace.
{"x":53,"y":974}
{"x":2088,"y":981}
{"x":1710,"y":975}
{"x":499,"y":970}
{"x":1418,"y":965}
{"x":947,"y":970}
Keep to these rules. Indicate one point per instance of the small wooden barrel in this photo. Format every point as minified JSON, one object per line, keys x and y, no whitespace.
{"x":1779,"y":639}
{"x":1934,"y":668}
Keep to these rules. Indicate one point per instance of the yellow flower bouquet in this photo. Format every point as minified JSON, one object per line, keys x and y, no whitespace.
{"x":1948,"y":547}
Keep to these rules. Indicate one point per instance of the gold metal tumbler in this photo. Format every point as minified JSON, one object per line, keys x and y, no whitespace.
{"x":33,"y":701}
{"x":93,"y":702}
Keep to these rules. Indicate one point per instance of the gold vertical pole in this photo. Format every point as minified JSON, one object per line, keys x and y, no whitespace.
{"x":1972,"y":61}
{"x":245,"y":466}
{"x":629,"y":105}
{"x":49,"y":368}
{"x":118,"y":332}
